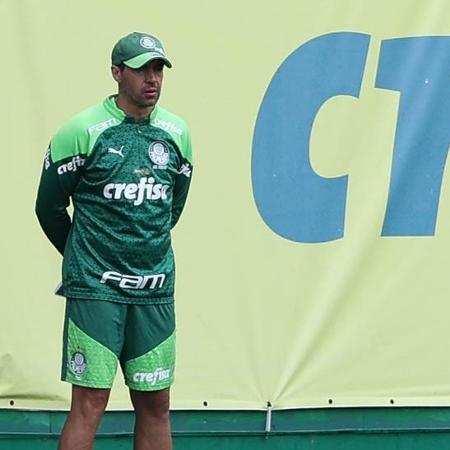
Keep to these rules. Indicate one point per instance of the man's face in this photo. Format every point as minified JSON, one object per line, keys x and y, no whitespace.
{"x":140,"y":88}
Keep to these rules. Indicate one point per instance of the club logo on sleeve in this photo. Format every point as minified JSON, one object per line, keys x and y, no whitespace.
{"x":185,"y":170}
{"x":47,"y":160}
{"x":78,"y":363}
{"x":159,"y":154}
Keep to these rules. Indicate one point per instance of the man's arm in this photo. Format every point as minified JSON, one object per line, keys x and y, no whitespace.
{"x":51,"y":206}
{"x":183,"y":177}
{"x":180,"y":191}
{"x":62,"y":169}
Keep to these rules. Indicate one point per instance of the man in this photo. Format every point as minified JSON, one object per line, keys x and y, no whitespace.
{"x":126,"y":165}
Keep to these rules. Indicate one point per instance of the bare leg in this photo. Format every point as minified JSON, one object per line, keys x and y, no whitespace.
{"x":152,"y":428}
{"x":86,"y":410}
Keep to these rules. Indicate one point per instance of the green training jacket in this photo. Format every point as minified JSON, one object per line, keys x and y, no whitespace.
{"x":128,"y":182}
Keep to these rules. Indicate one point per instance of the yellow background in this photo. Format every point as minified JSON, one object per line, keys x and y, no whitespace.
{"x":360,"y":321}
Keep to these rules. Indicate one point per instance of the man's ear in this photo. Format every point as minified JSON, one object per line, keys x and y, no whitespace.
{"x":116,"y":73}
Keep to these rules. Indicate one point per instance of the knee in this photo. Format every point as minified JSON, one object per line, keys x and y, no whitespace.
{"x":153,"y":405}
{"x":158,"y":410}
{"x":158,"y":414}
{"x":161,"y":410}
{"x":95,"y":404}
{"x":89,"y":403}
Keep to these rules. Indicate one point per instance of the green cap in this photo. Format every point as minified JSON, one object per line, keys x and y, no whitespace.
{"x":137,"y":49}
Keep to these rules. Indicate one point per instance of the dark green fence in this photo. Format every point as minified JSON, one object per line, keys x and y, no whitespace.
{"x":319,"y":429}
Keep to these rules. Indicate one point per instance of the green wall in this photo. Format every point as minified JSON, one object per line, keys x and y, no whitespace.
{"x":320,"y":429}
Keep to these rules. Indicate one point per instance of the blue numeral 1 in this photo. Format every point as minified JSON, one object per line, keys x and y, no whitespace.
{"x":418,"y":67}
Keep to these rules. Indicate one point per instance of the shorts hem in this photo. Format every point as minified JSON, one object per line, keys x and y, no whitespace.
{"x":87,"y":385}
{"x":149,"y":388}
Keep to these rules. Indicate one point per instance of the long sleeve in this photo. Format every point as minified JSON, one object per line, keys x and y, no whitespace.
{"x":180,"y":191}
{"x":62,"y":169}
{"x":51,"y":207}
{"x":183,"y":177}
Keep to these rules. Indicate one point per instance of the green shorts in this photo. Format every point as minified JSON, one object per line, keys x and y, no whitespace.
{"x":99,"y":334}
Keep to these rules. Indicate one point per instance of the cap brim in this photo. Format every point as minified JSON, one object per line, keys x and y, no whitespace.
{"x":144,"y":58}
